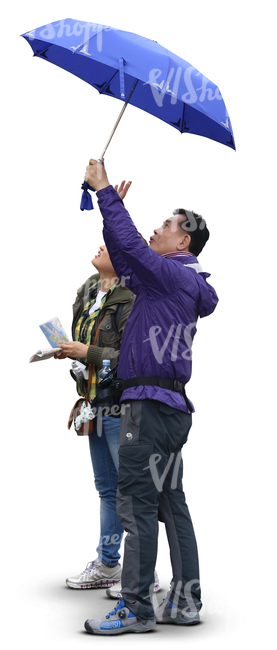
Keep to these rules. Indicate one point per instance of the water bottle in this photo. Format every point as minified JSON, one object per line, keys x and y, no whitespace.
{"x":104,"y":370}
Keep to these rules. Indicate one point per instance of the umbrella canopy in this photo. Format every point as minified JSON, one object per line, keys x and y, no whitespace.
{"x":138,"y":71}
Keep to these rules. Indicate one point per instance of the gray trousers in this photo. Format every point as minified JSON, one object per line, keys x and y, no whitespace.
{"x":150,"y":490}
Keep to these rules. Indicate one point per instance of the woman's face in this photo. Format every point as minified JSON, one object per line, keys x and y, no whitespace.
{"x":102,"y":262}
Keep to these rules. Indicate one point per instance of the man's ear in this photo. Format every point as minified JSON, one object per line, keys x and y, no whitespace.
{"x":184,"y":243}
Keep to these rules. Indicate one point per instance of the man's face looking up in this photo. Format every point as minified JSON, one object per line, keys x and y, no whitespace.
{"x":170,"y":237}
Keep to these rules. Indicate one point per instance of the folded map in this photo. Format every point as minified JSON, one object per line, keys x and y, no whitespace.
{"x":41,"y":355}
{"x":54,"y":332}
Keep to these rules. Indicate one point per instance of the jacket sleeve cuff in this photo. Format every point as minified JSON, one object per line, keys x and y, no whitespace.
{"x":106,"y":190}
{"x":94,"y":355}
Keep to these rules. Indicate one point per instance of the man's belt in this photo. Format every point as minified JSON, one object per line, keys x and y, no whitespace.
{"x":162,"y":382}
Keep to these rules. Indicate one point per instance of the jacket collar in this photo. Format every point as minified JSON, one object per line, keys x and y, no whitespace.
{"x":187,"y":259}
{"x":178,"y":254}
{"x":121,"y":294}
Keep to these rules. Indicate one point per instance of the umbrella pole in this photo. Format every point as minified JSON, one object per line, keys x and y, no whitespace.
{"x":118,"y":120}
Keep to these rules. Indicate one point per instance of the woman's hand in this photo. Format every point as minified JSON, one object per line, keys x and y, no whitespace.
{"x":123,"y":189}
{"x":72,"y":349}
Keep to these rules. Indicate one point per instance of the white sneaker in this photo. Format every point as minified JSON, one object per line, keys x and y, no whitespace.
{"x":96,"y":576}
{"x":115,"y":591}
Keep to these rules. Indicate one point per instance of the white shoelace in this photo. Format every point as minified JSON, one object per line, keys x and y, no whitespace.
{"x":90,"y":567}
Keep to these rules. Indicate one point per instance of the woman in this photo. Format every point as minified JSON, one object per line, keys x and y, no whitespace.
{"x":102,"y":302}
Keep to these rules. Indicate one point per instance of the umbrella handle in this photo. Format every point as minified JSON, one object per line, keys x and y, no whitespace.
{"x":117,"y":121}
{"x":86,"y":202}
{"x":113,"y":131}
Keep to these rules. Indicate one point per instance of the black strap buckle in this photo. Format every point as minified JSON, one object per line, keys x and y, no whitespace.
{"x":178,"y":386}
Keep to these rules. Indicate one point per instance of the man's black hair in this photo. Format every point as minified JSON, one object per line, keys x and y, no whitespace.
{"x":196,"y":227}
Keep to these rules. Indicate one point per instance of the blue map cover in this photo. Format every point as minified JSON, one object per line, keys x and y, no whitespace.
{"x":54,"y":332}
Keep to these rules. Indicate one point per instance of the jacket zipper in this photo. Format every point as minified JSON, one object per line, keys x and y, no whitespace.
{"x":133,"y":359}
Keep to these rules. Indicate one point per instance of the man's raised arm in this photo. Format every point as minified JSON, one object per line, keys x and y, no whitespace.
{"x":151,"y":269}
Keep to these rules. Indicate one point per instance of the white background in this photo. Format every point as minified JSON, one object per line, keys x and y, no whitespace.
{"x":52,"y":123}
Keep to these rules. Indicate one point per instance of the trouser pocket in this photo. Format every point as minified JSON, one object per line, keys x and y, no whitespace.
{"x":130,"y":422}
{"x":134,"y":476}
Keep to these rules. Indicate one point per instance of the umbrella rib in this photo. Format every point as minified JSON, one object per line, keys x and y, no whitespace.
{"x":107,"y":84}
{"x":183,"y":117}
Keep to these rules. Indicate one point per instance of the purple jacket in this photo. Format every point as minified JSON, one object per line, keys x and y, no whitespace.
{"x":171,"y":292}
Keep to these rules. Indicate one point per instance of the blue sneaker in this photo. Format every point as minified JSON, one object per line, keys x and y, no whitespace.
{"x":119,"y":620}
{"x":167,"y":612}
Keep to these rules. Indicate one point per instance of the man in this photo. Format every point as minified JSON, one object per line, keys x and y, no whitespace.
{"x":155,"y":364}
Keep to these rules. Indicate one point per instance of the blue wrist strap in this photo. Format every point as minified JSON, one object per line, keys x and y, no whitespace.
{"x":86,"y":200}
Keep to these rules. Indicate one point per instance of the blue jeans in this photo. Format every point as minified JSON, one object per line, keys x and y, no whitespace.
{"x":104,"y":456}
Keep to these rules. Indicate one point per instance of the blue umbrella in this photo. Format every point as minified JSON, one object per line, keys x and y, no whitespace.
{"x":137,"y":71}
